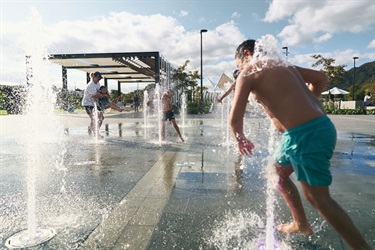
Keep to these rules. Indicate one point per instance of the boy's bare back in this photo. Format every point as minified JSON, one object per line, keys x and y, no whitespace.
{"x":283,"y":93}
{"x":167,"y":103}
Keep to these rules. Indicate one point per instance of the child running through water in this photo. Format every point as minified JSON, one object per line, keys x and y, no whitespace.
{"x":104,"y":101}
{"x":168,"y":114}
{"x":308,"y":141}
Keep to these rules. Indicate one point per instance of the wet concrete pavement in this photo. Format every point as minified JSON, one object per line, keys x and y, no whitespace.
{"x":129,"y":191}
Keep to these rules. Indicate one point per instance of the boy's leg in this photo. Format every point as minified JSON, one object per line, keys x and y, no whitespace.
{"x":92,"y":124}
{"x":89,"y":112}
{"x":292,"y":198}
{"x":115,"y":106}
{"x":177,"y":129}
{"x":163,"y":130}
{"x":100,"y":122}
{"x":333,"y":213}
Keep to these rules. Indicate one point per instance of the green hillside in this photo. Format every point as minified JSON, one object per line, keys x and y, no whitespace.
{"x":363,"y":75}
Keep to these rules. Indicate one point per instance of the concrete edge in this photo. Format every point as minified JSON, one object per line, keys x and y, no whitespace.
{"x":131,"y":223}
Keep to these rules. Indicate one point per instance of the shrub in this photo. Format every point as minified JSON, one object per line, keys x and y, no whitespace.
{"x":192,"y":107}
{"x":357,"y":111}
{"x":12,"y":98}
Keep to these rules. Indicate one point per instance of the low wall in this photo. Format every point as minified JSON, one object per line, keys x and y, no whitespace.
{"x":351,"y":104}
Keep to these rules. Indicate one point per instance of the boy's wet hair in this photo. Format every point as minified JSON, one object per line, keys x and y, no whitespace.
{"x":246,"y":45}
{"x":102,"y":87}
{"x":236,"y":73}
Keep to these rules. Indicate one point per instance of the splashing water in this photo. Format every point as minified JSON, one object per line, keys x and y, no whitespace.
{"x":145,"y":108}
{"x":183,"y":108}
{"x":95,"y":112}
{"x":160,"y":110}
{"x":270,"y":242}
{"x":227,"y":135}
{"x":183,"y":113}
{"x":237,"y":230}
{"x":40,"y":122}
{"x":267,"y":50}
{"x":266,"y":53}
{"x":242,"y":230}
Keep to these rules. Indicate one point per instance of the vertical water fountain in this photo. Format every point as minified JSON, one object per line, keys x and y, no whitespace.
{"x":183,"y":108}
{"x":183,"y":112}
{"x":266,"y":48}
{"x":241,"y":223}
{"x":96,"y":122}
{"x":145,"y":108}
{"x":271,"y":182}
{"x":222,"y":115}
{"x":160,"y":110}
{"x":38,"y":111}
{"x":227,"y":131}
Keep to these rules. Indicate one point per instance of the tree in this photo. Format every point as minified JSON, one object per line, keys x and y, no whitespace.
{"x":185,"y":80}
{"x":366,"y":88}
{"x":334,"y":73}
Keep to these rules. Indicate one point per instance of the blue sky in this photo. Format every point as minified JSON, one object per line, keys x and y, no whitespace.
{"x":336,"y":29}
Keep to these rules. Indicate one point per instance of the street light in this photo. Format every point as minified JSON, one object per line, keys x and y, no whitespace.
{"x":201,"y":99}
{"x":354,"y":58}
{"x":286,"y":52}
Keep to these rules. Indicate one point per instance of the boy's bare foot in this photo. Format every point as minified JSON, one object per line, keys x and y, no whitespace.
{"x":293,"y":228}
{"x":98,"y":135}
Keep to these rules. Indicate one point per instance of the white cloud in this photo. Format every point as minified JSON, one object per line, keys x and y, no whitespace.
{"x":121,"y":32}
{"x":202,"y":20}
{"x":278,"y":10}
{"x":371,"y":45}
{"x":317,"y":21}
{"x":183,"y":13}
{"x":236,"y":15}
{"x":342,"y":57}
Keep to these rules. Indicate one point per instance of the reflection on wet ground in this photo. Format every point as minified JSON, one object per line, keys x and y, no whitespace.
{"x":217,"y":198}
{"x":354,"y":154}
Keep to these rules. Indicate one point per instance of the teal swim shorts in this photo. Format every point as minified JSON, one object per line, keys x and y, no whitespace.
{"x":308,"y":148}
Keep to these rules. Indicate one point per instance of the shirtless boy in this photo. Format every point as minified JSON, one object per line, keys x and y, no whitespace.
{"x":308,"y":141}
{"x":168,"y":114}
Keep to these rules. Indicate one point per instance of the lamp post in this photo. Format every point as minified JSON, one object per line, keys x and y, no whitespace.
{"x":201,"y":94}
{"x":286,"y":52}
{"x":354,"y":58}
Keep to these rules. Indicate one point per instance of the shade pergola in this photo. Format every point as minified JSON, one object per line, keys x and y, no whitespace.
{"x":126,"y":67}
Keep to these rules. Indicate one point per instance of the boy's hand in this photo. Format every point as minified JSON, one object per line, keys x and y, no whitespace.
{"x":245,"y":146}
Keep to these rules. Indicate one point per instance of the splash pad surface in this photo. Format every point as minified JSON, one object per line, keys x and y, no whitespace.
{"x":199,"y":192}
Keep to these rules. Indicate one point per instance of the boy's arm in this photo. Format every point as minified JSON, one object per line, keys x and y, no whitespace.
{"x":241,"y":94}
{"x":231,"y":87}
{"x":317,"y":79}
{"x":97,"y":95}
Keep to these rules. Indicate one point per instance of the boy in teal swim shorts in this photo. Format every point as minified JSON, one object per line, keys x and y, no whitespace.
{"x":308,"y":141}
{"x":307,"y":149}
